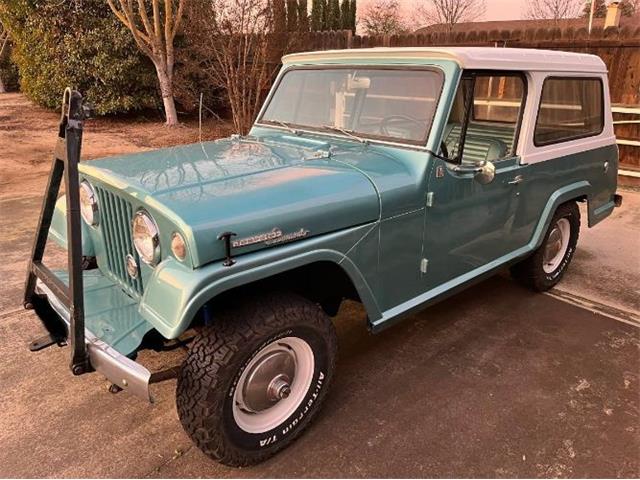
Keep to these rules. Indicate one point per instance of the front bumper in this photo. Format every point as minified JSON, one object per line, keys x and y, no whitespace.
{"x":119,"y":323}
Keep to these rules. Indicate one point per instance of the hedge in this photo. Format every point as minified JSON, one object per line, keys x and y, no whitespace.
{"x":80,"y":44}
{"x":8,"y":71}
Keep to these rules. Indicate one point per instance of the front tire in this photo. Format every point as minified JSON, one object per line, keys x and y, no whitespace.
{"x":256,"y":378}
{"x":546,"y":266}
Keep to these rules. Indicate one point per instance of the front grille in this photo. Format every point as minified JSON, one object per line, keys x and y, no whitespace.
{"x":115,"y":220}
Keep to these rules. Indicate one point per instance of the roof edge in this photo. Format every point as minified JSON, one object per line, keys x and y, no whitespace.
{"x":467,"y":57}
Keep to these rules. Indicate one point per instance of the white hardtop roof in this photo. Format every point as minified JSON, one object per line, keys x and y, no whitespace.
{"x":467,"y":57}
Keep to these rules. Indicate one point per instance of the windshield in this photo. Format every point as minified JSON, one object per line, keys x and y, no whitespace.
{"x":389,"y":104}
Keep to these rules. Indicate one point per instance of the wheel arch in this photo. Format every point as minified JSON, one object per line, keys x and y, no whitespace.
{"x":296,"y":274}
{"x":575,"y":192}
{"x":322,"y":282}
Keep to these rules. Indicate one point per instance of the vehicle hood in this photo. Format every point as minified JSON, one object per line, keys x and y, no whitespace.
{"x":246,"y":186}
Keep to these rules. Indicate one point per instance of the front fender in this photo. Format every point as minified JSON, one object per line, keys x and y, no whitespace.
{"x":174,"y":293}
{"x":58,"y":229}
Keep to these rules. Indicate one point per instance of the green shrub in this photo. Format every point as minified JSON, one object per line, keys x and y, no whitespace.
{"x":80,"y":44}
{"x":8,"y":71}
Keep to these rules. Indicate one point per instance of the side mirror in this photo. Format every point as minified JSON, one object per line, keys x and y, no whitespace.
{"x":483,"y":172}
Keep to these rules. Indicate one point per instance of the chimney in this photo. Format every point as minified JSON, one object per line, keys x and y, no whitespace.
{"x":613,"y":15}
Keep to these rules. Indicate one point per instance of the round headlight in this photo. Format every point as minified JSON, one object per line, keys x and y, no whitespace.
{"x":178,"y":246}
{"x":146,"y":237}
{"x":88,"y":203}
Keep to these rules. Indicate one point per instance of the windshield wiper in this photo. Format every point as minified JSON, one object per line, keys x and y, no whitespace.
{"x":287,"y":126}
{"x":348,"y":133}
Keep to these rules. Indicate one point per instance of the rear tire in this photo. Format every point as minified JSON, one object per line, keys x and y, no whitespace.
{"x":255,"y":379}
{"x":546,"y":266}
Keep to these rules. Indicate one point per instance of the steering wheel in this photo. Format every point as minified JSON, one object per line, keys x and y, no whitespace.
{"x":384,"y":123}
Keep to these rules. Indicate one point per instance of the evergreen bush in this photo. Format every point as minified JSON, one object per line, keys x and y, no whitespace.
{"x":79,"y":44}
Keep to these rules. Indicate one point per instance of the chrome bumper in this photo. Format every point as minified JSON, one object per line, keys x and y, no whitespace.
{"x":118,"y":368}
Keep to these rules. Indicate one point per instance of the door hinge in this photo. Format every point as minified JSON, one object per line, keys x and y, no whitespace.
{"x":424,"y":263}
{"x":430,"y":196}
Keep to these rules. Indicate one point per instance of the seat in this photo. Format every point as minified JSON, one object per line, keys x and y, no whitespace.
{"x":483,"y":142}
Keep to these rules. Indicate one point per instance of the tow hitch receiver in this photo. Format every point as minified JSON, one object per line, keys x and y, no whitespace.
{"x":65,"y":163}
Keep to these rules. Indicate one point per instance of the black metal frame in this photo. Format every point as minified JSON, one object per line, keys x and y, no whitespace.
{"x":65,"y":164}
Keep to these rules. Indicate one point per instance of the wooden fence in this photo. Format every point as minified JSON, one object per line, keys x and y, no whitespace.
{"x":618,"y":48}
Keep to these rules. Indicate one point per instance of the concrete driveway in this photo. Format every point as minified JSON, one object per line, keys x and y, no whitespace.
{"x":496,"y":381}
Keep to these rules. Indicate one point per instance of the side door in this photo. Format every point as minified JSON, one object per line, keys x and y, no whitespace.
{"x":470,"y":224}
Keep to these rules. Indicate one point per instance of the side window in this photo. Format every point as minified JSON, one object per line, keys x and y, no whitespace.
{"x":570,"y":108}
{"x":498,"y":99}
{"x":493,"y":119}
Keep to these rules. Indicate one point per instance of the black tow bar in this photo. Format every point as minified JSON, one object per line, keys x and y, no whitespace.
{"x":65,"y":164}
{"x":617,"y":200}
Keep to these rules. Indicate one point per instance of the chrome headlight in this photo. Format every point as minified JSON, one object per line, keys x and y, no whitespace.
{"x":178,"y":246}
{"x":88,"y":204}
{"x":146,"y":237}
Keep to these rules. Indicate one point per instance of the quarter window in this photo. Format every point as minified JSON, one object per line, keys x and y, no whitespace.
{"x":570,"y":108}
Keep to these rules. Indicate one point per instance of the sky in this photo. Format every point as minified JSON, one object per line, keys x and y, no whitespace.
{"x":496,"y":9}
{"x":504,"y":9}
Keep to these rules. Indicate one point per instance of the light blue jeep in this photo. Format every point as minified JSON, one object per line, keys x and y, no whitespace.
{"x":395,"y":177}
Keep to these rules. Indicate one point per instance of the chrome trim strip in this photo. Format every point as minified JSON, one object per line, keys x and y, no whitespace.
{"x":118,"y":368}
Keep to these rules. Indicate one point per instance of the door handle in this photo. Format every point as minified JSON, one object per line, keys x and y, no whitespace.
{"x":516,"y":180}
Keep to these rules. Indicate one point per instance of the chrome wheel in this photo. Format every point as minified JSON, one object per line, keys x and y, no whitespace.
{"x":273,"y":384}
{"x":556,"y":246}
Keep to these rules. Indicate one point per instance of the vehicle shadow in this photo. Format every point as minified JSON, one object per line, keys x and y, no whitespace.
{"x":496,"y":381}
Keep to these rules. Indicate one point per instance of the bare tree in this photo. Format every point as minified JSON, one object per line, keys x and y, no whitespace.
{"x":4,"y":43}
{"x":553,"y":9}
{"x":154,"y":29}
{"x":630,"y":7}
{"x":451,"y":12}
{"x":234,"y":43}
{"x":382,"y":17}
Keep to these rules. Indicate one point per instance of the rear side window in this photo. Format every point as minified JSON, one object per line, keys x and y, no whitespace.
{"x":570,"y":108}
